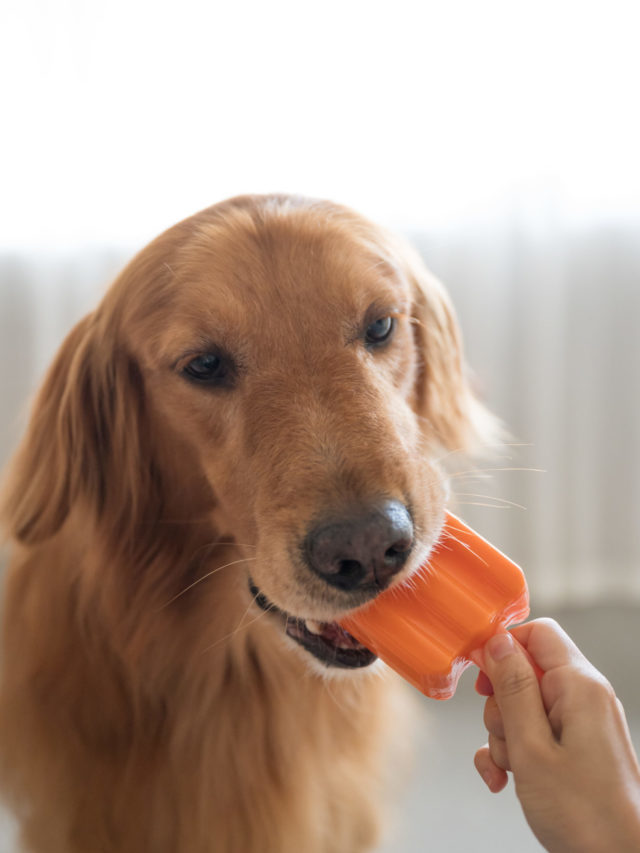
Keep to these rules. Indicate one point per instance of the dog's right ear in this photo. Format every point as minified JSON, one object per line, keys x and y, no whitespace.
{"x":444,"y":396}
{"x":84,"y":442}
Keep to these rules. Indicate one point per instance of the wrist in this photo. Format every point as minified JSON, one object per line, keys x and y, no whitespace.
{"x":630,"y":824}
{"x":616,"y":829}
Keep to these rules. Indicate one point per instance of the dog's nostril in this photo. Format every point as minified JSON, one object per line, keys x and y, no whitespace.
{"x":350,"y":569}
{"x":365,"y":550}
{"x":349,"y":566}
{"x":397,"y":552}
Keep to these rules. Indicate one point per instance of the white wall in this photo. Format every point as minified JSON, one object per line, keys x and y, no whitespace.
{"x":122,"y":117}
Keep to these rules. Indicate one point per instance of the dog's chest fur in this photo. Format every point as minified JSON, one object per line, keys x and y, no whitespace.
{"x":240,"y":748}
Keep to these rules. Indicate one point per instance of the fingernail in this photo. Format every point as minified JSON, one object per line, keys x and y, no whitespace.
{"x":501,"y":646}
{"x":483,"y":685}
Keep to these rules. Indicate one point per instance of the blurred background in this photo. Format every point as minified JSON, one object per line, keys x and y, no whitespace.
{"x":501,"y":137}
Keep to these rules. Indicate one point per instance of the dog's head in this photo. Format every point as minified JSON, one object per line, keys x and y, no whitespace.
{"x":285,"y":365}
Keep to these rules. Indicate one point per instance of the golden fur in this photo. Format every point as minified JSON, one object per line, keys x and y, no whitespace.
{"x":146,"y":703}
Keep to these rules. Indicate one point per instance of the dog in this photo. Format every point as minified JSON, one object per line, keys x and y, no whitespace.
{"x":240,"y":445}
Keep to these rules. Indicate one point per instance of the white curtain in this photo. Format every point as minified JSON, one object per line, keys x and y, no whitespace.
{"x":550,"y":319}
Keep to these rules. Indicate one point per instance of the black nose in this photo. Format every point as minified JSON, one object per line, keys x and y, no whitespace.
{"x":365,"y":550}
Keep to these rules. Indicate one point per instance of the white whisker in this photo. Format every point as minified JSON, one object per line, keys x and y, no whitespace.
{"x":485,"y":445}
{"x":489,"y":498}
{"x":208,"y":575}
{"x":253,"y":600}
{"x":466,"y":546}
{"x":478,"y":472}
{"x":479,"y":503}
{"x":235,"y":631}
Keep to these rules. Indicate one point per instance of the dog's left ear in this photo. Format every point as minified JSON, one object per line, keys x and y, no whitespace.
{"x":443,"y":394}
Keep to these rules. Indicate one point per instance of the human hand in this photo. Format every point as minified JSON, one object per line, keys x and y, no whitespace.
{"x":564,"y":738}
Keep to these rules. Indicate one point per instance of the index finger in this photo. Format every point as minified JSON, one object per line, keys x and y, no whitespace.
{"x":517,"y":693}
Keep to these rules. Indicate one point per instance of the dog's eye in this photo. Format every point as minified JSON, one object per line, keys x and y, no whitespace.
{"x":380,"y":331}
{"x":209,"y":368}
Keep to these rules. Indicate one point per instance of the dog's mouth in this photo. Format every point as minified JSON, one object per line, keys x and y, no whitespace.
{"x":326,"y":641}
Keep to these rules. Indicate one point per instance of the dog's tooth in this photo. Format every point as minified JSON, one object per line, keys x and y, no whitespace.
{"x":313,"y":626}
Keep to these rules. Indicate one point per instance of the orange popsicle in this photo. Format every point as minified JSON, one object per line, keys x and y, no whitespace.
{"x":427,"y":627}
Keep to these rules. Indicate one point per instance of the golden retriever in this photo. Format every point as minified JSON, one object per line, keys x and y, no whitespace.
{"x":237,"y":447}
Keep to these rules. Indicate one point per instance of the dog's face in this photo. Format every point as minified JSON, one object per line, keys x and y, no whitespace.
{"x":287,"y":348}
{"x":307,"y":370}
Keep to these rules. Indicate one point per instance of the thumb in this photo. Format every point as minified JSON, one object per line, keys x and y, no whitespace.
{"x":516,"y":690}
